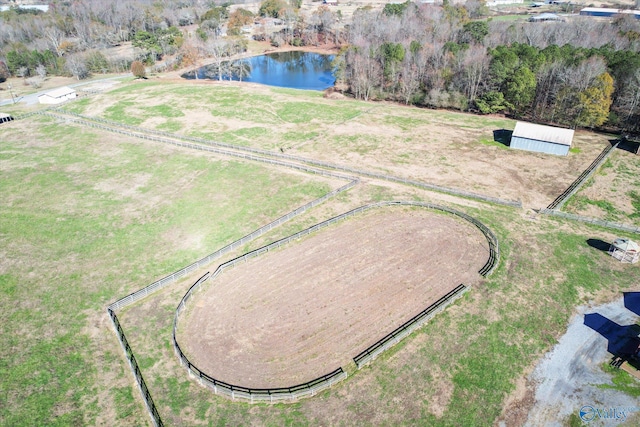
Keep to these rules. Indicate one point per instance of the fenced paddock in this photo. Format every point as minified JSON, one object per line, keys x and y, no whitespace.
{"x":257,"y":154}
{"x":586,"y":174}
{"x":317,"y":303}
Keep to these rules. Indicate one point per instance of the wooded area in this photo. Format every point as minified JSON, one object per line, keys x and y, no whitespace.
{"x":584,"y":72}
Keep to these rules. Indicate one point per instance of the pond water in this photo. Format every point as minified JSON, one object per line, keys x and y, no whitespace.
{"x":296,"y":70}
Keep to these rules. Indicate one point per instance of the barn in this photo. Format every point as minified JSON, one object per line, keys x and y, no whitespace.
{"x":57,"y":96}
{"x":540,"y":138}
{"x":603,"y":12}
{"x":546,"y":17}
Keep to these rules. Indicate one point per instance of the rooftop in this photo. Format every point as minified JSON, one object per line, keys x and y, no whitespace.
{"x":543,"y":133}
{"x":61,"y":91}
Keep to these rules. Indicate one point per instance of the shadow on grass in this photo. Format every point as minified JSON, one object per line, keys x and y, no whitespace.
{"x":599,"y":244}
{"x":630,"y":146}
{"x":503,"y":136}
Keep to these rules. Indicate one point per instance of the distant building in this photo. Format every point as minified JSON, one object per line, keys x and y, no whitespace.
{"x":542,"y":139}
{"x":57,"y":96}
{"x":40,"y":7}
{"x":608,"y":13}
{"x":545,"y":17}
{"x":499,"y":2}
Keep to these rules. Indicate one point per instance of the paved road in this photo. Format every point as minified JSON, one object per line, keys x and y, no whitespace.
{"x":32,"y":98}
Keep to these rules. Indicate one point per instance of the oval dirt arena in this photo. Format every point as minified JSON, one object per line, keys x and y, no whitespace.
{"x":302,"y":311}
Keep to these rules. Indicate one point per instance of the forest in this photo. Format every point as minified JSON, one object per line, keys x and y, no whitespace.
{"x":583,"y":72}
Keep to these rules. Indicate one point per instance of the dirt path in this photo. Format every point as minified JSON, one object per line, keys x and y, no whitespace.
{"x":297,"y":313}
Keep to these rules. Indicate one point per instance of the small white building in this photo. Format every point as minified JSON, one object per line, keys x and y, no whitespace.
{"x":40,"y":7}
{"x":541,"y":138}
{"x":545,"y":17}
{"x":57,"y":96}
{"x":625,"y":250}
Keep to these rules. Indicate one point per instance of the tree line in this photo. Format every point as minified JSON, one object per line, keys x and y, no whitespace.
{"x":583,"y":72}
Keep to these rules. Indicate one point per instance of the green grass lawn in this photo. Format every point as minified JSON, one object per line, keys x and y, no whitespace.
{"x":613,"y":192}
{"x":491,"y":335}
{"x":88,"y":217}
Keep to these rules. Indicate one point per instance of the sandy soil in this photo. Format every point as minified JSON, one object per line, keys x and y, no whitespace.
{"x":295,"y":314}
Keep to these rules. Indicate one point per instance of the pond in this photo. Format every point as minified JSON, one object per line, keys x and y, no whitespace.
{"x":296,"y":70}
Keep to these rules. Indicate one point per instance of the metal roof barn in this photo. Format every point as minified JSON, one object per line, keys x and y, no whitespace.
{"x":608,"y":12}
{"x":542,"y":139}
{"x":543,"y":17}
{"x":57,"y":96}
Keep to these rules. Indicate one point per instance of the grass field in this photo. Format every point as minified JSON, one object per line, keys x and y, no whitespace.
{"x":446,"y":148}
{"x":88,"y":217}
{"x":613,"y":193}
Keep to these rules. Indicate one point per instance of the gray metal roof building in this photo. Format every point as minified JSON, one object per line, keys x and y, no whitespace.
{"x":540,"y":138}
{"x":608,"y":12}
{"x":544,"y":17}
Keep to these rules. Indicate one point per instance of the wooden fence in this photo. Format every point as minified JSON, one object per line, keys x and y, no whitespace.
{"x":162,"y":137}
{"x":312,"y":387}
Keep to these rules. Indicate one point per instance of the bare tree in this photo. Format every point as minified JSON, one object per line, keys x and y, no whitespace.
{"x":363,"y":72}
{"x":629,"y":100}
{"x":409,"y":81}
{"x":22,"y":72}
{"x":41,"y":71}
{"x":218,"y":51}
{"x":192,"y":51}
{"x":548,"y":84}
{"x":474,"y":63}
{"x":77,"y":66}
{"x":54,"y":36}
{"x":327,"y":21}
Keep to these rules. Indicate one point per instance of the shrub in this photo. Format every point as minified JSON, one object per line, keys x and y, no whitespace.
{"x":4,"y":72}
{"x":138,"y":70}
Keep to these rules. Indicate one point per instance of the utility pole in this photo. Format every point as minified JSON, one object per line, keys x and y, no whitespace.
{"x":13,"y":98}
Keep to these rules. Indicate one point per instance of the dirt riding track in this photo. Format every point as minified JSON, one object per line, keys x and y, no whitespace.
{"x":300,"y":312}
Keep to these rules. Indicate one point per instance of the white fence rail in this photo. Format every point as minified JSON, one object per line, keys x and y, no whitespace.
{"x":594,"y":221}
{"x":154,"y":135}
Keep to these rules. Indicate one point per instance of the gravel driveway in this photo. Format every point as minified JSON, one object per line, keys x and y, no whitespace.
{"x":568,"y":376}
